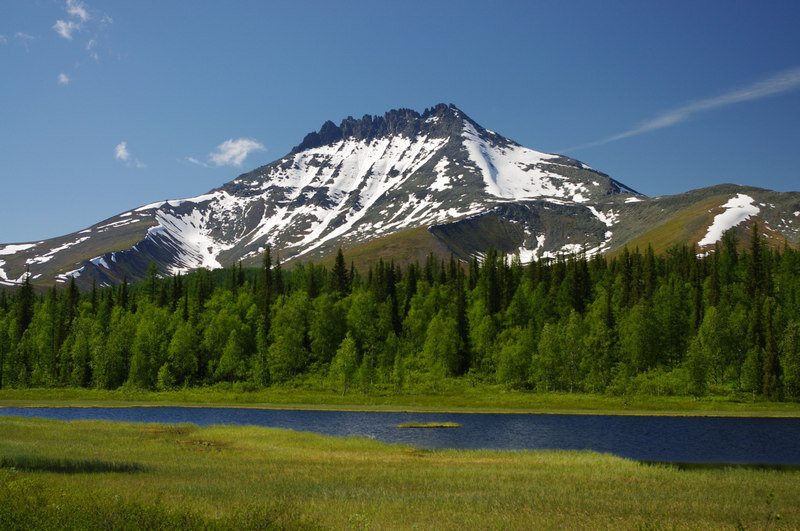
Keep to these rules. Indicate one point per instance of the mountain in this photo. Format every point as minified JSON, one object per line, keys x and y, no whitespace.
{"x":401,"y":185}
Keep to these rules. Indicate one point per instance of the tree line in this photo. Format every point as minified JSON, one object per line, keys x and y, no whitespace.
{"x":726,"y":322}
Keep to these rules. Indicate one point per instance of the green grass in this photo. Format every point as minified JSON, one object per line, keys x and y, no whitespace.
{"x":402,"y":247}
{"x":685,"y":226}
{"x":455,"y":395}
{"x":247,"y":477}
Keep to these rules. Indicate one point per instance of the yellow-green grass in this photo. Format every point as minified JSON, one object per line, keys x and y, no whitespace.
{"x":686,"y":226}
{"x":402,"y":247}
{"x":100,"y":474}
{"x":456,"y":395}
{"x":690,"y":225}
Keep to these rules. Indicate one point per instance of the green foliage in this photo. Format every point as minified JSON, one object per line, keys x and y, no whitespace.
{"x":344,"y":365}
{"x":673,"y":324}
{"x":288,"y":354}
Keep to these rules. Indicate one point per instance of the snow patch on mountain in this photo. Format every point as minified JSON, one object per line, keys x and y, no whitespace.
{"x":100,"y":261}
{"x":566,"y":249}
{"x":63,"y":277}
{"x":511,"y":171}
{"x":738,"y":209}
{"x":120,"y":223}
{"x":189,"y":238}
{"x":607,"y":218}
{"x":16,"y":248}
{"x":443,"y":181}
{"x":528,"y":255}
{"x":41,"y":259}
{"x":345,"y":170}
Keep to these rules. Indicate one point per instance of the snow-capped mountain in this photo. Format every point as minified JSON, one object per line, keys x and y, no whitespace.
{"x":362,"y":181}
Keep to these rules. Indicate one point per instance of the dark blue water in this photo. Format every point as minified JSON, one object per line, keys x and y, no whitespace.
{"x":674,"y":439}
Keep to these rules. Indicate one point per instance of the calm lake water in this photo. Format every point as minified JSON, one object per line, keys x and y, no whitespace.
{"x":648,"y":438}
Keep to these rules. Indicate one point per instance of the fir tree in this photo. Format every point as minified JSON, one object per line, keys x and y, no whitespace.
{"x":122,"y":299}
{"x":152,"y":280}
{"x":93,"y":296}
{"x":24,"y":306}
{"x":772,"y":369}
{"x":340,"y":281}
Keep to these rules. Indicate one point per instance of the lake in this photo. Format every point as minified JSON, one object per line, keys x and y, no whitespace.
{"x":734,"y":440}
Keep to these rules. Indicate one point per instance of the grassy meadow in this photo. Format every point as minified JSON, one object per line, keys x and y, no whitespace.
{"x":56,"y":474}
{"x":453,"y":395}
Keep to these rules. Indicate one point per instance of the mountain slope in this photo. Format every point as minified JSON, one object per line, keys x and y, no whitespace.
{"x":377,"y":177}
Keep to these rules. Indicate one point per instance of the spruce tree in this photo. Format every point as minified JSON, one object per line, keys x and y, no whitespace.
{"x":152,"y":280}
{"x":93,"y":296}
{"x":340,"y":283}
{"x":24,"y":306}
{"x":754,"y":282}
{"x":772,"y":369}
{"x":122,"y":299}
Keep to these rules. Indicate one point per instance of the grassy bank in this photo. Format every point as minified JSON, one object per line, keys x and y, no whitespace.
{"x":98,"y":474}
{"x":458,"y":396}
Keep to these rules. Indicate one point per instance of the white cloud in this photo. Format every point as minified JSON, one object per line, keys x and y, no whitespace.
{"x":66,"y":28}
{"x":23,"y":38}
{"x":90,"y":47}
{"x":198,"y":162}
{"x":779,"y":83}
{"x":78,"y":14}
{"x":77,"y":9}
{"x":3,"y":39}
{"x":63,"y":79}
{"x":233,"y":152}
{"x":121,"y":153}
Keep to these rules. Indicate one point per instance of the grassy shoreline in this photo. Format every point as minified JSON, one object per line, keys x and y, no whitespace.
{"x":90,"y":474}
{"x":482,"y":399}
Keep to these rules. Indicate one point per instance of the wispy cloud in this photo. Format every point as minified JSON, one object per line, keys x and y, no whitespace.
{"x":779,"y":83}
{"x":63,"y":79}
{"x":121,"y":153}
{"x":66,"y":28}
{"x":233,"y":152}
{"x":77,"y":9}
{"x":78,"y":16}
{"x":23,"y":38}
{"x":90,"y":46}
{"x":3,"y":39}
{"x":198,"y":162}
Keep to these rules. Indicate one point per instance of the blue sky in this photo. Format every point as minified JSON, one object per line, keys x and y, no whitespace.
{"x":108,"y":105}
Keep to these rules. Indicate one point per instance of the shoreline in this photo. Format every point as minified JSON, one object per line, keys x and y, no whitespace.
{"x":486,"y":399}
{"x":386,"y":408}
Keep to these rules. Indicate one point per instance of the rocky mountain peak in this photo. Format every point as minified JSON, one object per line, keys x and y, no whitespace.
{"x":440,"y":121}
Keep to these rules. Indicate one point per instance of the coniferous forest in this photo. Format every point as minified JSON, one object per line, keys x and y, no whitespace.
{"x":724,"y":323}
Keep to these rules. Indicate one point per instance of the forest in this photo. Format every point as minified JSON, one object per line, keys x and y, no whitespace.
{"x":723,"y":323}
